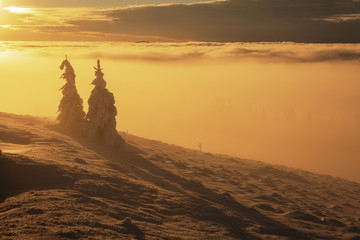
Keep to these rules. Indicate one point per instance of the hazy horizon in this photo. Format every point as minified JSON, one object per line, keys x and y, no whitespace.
{"x":281,"y":103}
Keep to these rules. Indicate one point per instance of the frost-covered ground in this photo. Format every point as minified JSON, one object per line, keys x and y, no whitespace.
{"x":55,"y":186}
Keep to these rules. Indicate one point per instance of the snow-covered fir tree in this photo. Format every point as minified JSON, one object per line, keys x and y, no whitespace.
{"x":102,"y":112}
{"x":71,"y":115}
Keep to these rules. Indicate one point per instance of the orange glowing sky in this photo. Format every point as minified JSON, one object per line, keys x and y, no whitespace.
{"x":193,"y":76}
{"x":181,"y":20}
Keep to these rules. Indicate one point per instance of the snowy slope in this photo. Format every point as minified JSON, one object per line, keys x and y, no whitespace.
{"x":54,"y":186}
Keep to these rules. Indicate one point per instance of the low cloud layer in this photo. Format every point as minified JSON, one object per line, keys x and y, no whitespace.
{"x":238,"y":54}
{"x":298,"y":56}
{"x":260,"y":52}
{"x":196,"y":51}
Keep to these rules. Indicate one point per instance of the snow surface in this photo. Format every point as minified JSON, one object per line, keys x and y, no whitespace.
{"x":55,"y":186}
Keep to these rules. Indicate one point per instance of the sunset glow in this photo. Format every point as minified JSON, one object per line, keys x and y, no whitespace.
{"x":18,"y":10}
{"x":254,"y":89}
{"x":237,"y":96}
{"x":180,"y":119}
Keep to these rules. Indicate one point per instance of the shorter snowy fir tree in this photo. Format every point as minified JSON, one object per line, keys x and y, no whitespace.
{"x":71,"y":115}
{"x":102,"y":113}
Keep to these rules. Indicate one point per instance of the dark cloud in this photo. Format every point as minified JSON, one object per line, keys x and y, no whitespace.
{"x":235,"y":20}
{"x":331,"y":55}
{"x":87,"y":3}
{"x":298,"y":56}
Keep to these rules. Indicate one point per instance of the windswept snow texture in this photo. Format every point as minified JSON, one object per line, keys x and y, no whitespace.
{"x":53,"y":186}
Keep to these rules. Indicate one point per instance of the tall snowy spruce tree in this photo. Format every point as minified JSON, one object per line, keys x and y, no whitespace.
{"x":71,"y":115}
{"x":102,"y":113}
